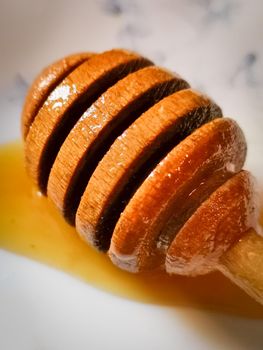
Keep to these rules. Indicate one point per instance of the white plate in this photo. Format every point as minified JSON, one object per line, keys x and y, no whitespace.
{"x":217,"y":46}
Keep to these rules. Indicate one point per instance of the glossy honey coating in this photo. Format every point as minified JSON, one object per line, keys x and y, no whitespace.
{"x":66,"y":104}
{"x":44,"y":83}
{"x":89,"y":140}
{"x":216,"y":225}
{"x":137,"y":161}
{"x":173,"y":191}
{"x":131,"y":158}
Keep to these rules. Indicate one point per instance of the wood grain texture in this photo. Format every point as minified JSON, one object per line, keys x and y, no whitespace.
{"x":44,"y":83}
{"x":243,"y":264}
{"x":215,"y":226}
{"x":139,"y":240}
{"x":133,"y":155}
{"x":99,"y":126}
{"x":67,"y":102}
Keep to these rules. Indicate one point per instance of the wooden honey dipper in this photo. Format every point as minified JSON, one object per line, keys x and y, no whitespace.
{"x":145,"y":167}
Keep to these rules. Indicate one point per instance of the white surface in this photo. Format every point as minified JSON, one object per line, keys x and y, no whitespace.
{"x":217,"y":46}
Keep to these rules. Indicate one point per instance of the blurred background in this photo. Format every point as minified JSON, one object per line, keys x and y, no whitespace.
{"x":215,"y":44}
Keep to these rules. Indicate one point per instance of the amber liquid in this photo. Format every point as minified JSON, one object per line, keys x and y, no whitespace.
{"x":32,"y":227}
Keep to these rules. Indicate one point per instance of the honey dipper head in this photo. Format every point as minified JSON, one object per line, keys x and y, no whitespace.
{"x":135,"y":159}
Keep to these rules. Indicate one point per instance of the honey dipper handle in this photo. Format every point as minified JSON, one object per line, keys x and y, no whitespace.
{"x":243,"y":264}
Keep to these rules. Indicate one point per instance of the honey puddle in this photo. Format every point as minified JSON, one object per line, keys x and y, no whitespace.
{"x":32,"y":227}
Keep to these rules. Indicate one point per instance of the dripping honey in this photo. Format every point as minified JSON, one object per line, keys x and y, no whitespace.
{"x":31,"y":226}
